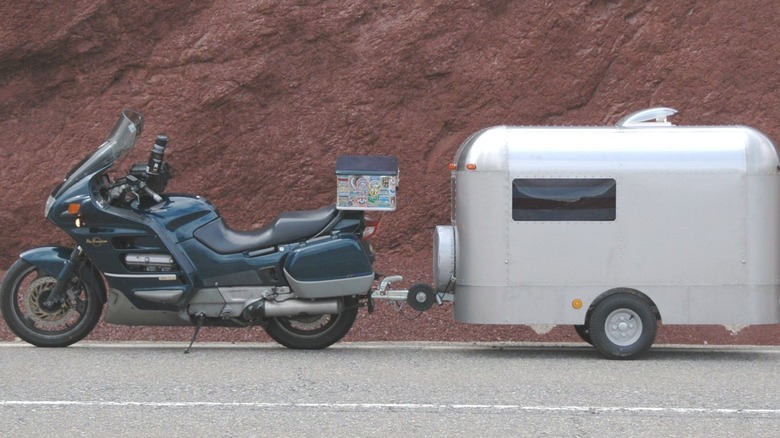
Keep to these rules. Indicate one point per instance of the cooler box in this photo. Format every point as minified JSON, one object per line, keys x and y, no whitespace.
{"x":366,"y":182}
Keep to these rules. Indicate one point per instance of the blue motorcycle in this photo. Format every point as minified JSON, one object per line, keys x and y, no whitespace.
{"x":159,"y":259}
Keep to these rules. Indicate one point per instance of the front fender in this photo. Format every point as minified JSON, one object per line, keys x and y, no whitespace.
{"x":51,"y":259}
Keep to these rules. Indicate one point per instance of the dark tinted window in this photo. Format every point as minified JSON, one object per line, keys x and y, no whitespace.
{"x":563,"y":199}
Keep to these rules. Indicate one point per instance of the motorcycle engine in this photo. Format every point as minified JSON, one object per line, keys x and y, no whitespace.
{"x":150,"y":263}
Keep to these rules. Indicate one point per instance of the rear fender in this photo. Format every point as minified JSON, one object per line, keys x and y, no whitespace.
{"x":51,"y":259}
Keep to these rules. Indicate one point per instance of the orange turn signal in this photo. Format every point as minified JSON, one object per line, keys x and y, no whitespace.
{"x":74,"y":208}
{"x":471,"y":166}
{"x":453,"y":166}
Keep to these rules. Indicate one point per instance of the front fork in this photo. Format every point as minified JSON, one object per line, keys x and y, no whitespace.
{"x":56,"y":295}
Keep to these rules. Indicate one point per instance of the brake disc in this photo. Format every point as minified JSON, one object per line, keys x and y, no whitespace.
{"x":37,"y":293}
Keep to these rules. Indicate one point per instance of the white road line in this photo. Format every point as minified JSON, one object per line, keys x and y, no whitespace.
{"x":477,"y":408}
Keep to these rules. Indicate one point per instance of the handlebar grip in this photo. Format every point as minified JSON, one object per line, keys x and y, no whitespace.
{"x":155,"y":196}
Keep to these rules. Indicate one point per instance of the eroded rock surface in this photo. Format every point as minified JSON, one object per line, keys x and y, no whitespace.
{"x":259,"y":97}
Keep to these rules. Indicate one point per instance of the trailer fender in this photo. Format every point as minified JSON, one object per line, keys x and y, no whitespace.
{"x":618,"y":291}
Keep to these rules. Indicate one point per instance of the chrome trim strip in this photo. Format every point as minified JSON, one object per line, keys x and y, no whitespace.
{"x":157,"y":276}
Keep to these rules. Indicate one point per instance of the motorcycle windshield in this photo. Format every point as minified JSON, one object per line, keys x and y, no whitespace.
{"x":118,"y":144}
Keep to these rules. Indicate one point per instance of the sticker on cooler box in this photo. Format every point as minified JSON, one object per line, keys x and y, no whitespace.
{"x":366,"y":192}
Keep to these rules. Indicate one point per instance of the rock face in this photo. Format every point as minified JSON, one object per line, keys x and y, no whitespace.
{"x":259,"y":97}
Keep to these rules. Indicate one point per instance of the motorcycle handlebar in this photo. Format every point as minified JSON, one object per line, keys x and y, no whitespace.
{"x":132,"y":184}
{"x":117,"y":192}
{"x":155,"y":196}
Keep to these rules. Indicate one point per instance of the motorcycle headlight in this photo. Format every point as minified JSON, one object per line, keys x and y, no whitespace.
{"x":49,"y":203}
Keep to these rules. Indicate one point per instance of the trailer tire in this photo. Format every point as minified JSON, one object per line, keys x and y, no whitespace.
{"x":584,"y":333}
{"x":622,"y":326}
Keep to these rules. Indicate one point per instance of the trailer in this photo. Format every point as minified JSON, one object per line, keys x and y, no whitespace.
{"x":612,"y":229}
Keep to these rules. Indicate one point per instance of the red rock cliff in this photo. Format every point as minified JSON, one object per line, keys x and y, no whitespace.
{"x":259,"y":97}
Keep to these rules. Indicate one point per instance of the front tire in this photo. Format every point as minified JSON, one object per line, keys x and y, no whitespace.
{"x":622,"y":326}
{"x":22,"y":293}
{"x":313,"y":332}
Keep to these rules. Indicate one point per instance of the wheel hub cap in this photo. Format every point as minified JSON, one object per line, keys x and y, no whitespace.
{"x":623,"y":327}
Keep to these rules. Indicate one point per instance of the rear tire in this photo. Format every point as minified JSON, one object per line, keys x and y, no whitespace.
{"x":622,"y":326}
{"x":313,"y":332}
{"x":22,"y":293}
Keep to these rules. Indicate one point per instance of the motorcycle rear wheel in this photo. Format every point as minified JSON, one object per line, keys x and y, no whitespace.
{"x":22,"y":293}
{"x":313,"y":332}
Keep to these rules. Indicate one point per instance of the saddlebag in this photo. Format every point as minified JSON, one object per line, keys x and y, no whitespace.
{"x":329,"y":267}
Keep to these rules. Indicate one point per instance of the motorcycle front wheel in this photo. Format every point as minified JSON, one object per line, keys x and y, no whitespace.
{"x":313,"y":332}
{"x":24,"y":290}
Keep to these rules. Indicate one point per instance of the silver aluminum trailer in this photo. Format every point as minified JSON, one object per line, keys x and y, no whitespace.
{"x":611,"y":229}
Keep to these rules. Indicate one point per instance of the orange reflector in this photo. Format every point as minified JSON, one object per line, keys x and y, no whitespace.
{"x":74,"y":208}
{"x":471,"y":166}
{"x":453,"y":166}
{"x":577,"y":303}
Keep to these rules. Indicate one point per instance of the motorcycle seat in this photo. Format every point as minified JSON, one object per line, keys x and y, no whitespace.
{"x":289,"y":226}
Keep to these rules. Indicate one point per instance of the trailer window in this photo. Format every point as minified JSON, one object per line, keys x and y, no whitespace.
{"x":563,"y":199}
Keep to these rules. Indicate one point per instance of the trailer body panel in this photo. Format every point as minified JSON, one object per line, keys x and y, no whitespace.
{"x":544,"y":217}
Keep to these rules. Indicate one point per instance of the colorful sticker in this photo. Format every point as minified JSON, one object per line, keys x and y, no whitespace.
{"x":370,"y":192}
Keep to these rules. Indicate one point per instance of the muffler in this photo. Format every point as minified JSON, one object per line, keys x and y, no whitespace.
{"x":293,"y":307}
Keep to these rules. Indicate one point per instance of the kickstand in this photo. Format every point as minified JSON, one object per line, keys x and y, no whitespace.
{"x":199,"y":318}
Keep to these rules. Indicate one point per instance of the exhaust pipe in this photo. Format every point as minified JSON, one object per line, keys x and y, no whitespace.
{"x":293,"y":307}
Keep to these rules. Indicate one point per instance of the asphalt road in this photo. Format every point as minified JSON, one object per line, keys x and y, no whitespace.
{"x":386,"y":389}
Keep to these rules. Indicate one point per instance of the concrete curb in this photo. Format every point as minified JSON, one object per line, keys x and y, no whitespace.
{"x":410,"y":345}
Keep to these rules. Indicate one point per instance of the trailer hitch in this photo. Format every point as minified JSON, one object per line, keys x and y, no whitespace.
{"x":419,"y":296}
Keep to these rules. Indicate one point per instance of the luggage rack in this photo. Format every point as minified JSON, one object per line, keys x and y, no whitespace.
{"x":419,"y":296}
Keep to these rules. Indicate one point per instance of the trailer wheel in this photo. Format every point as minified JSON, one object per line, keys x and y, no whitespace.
{"x":420,"y":297}
{"x":622,"y":326}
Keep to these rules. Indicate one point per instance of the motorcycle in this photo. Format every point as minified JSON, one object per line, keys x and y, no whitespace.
{"x":160,"y":259}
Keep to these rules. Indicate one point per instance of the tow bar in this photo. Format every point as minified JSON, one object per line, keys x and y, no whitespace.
{"x":419,"y":296}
